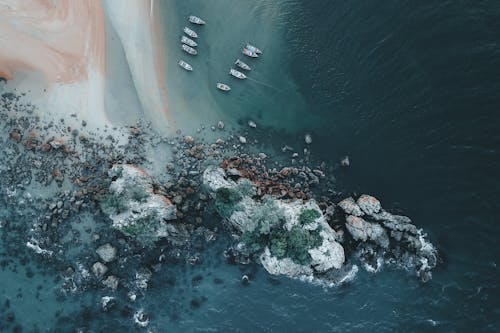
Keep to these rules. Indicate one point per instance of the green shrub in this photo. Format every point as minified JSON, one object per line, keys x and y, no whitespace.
{"x":245,"y":187}
{"x":137,"y":193}
{"x":299,"y":242}
{"x":266,"y":217}
{"x":308,"y":216}
{"x":254,"y":242}
{"x":112,"y":205}
{"x":226,"y":200}
{"x":143,"y":229}
{"x":294,"y":244}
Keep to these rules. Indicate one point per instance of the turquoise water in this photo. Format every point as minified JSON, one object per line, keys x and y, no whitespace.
{"x":408,"y":90}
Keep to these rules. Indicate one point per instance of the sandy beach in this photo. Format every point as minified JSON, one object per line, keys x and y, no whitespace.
{"x":59,"y":58}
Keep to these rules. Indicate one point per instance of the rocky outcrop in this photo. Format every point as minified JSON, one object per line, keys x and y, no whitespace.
{"x":382,"y":237}
{"x":292,"y":236}
{"x":363,"y":231}
{"x":136,"y":210}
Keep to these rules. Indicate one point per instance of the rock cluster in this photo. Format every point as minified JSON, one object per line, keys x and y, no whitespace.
{"x":376,"y":236}
{"x":136,"y":210}
{"x":324,"y":254}
{"x":383,"y":237}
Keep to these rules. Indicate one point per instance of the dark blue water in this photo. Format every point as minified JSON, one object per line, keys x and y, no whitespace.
{"x":410,"y":91}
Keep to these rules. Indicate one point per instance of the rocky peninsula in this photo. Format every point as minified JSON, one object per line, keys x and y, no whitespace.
{"x":106,"y":208}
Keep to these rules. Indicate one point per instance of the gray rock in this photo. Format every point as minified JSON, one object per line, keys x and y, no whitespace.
{"x":111,"y":282}
{"x":345,"y":161}
{"x":177,"y":199}
{"x":106,"y":252}
{"x":99,"y":269}
{"x":133,"y":206}
{"x":107,"y":302}
{"x":350,"y":207}
{"x":233,"y":172}
{"x":362,"y":230}
{"x":370,"y":205}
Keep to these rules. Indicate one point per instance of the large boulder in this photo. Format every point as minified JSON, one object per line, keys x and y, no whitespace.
{"x":382,"y":236}
{"x":363,"y":231}
{"x":350,"y":207}
{"x":368,"y":204}
{"x":106,"y":252}
{"x":284,"y":266}
{"x":136,"y":210}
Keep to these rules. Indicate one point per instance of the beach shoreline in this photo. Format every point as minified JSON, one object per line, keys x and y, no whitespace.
{"x":61,"y":63}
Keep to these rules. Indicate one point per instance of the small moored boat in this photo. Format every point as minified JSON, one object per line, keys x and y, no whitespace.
{"x":185,"y":65}
{"x":189,"y":49}
{"x":241,"y":64}
{"x":223,"y":87}
{"x":253,"y":49}
{"x":237,"y":74}
{"x":188,"y":41}
{"x":196,"y":20}
{"x":190,"y":32}
{"x":249,"y":53}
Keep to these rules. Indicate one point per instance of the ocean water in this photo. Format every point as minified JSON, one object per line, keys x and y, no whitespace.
{"x":408,"y":90}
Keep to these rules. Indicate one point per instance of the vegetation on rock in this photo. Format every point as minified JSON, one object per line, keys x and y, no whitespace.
{"x":226,"y":200}
{"x":113,"y":205}
{"x":267,"y":229}
{"x":308,"y":216}
{"x":295,"y":244}
{"x":142,"y":229}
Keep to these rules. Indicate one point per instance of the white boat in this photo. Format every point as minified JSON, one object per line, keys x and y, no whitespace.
{"x":196,"y":20}
{"x":241,"y":64}
{"x":185,"y":65}
{"x":190,"y":32}
{"x":249,"y":53}
{"x":189,"y":49}
{"x":253,"y":49}
{"x":223,"y":87}
{"x":237,"y":74}
{"x":188,"y":41}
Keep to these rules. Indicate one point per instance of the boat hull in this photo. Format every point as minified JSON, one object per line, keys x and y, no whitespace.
{"x":189,"y":50}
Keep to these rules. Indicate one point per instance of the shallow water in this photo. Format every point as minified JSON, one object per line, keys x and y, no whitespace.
{"x":408,"y":90}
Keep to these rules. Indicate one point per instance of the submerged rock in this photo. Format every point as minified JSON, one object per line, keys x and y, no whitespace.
{"x":107,"y":302}
{"x":141,"y":319}
{"x":99,"y":269}
{"x":345,"y":161}
{"x":111,"y":282}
